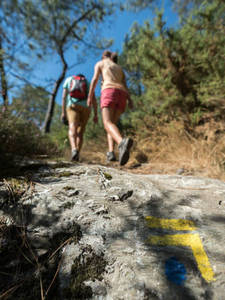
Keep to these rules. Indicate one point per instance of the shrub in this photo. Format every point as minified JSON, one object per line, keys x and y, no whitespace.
{"x":22,"y":138}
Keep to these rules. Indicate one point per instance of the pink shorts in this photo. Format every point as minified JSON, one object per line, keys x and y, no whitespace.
{"x":114,"y":98}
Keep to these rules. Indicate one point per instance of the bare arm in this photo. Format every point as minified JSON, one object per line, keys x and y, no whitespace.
{"x":94,"y":81}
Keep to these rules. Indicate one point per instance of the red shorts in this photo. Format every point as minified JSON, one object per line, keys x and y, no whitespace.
{"x":114,"y":98}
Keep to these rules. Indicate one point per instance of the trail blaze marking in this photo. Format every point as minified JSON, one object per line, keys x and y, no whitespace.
{"x":191,"y":240}
{"x":175,"y":224}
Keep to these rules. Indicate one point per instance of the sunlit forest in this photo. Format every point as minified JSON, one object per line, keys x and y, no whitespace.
{"x":176,"y":78}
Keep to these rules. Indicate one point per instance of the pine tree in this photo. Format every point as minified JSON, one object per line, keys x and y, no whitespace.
{"x":182,"y":69}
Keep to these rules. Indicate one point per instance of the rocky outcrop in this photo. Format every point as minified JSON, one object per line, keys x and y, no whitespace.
{"x":92,"y":232}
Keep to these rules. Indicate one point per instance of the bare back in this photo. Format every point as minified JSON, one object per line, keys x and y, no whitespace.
{"x":112,"y":75}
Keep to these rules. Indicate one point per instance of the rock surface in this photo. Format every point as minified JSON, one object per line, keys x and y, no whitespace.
{"x":116,"y":234}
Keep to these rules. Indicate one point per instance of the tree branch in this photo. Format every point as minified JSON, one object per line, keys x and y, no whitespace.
{"x":82,"y":17}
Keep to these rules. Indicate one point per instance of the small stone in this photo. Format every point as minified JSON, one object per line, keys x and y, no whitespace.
{"x":180,"y":171}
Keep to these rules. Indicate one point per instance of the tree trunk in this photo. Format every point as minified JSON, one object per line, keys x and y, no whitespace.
{"x":4,"y":87}
{"x":51,"y":103}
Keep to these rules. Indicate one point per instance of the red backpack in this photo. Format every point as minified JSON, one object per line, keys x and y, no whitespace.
{"x":78,"y":87}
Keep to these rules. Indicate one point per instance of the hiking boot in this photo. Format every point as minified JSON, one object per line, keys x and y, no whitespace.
{"x":110,"y":156}
{"x":124,"y":150}
{"x":75,"y":155}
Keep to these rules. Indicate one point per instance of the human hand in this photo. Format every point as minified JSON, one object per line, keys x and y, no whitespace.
{"x":64,"y":119}
{"x":89,"y":101}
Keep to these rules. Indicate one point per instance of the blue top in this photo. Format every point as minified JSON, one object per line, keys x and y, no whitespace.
{"x":70,"y":100}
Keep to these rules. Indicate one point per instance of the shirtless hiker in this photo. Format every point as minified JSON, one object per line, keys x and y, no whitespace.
{"x":114,"y":97}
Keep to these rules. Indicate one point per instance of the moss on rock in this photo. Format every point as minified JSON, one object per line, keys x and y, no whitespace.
{"x":87,"y":266}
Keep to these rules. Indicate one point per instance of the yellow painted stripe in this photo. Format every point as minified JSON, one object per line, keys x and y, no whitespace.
{"x":188,"y":240}
{"x":174,"y":224}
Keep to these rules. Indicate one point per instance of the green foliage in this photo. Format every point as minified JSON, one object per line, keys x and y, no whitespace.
{"x":31,"y":104}
{"x":180,"y":70}
{"x":54,"y":24}
{"x":13,"y":45}
{"x":49,"y":27}
{"x":183,"y":7}
{"x":59,"y":135}
{"x":170,"y":71}
{"x":141,"y":4}
{"x":196,"y":117}
{"x":19,"y":137}
{"x":94,"y":131}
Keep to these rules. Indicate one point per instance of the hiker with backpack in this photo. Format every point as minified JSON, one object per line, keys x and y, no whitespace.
{"x":114,"y":97}
{"x":75,"y":112}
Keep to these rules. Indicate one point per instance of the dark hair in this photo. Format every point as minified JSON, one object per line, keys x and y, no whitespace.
{"x":114,"y":57}
{"x":106,"y":53}
{"x":80,"y":75}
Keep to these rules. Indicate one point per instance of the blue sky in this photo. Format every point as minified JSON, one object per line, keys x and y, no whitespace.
{"x":120,"y":26}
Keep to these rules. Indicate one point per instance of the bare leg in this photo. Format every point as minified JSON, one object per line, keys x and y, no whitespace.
{"x":79,"y":138}
{"x":110,"y":142}
{"x":125,"y":144}
{"x":73,"y":135}
{"x":110,"y":127}
{"x":115,"y":118}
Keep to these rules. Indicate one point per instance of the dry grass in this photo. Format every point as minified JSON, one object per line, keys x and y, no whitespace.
{"x":21,"y":267}
{"x":171,"y":149}
{"x":200,"y":153}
